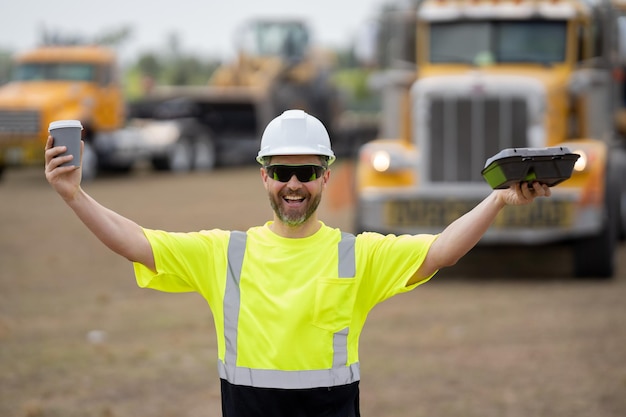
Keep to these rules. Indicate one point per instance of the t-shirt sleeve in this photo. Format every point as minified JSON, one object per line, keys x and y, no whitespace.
{"x":185,"y":262}
{"x":389,"y":261}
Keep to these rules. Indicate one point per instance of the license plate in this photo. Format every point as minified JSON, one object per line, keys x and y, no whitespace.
{"x":540,"y":213}
{"x":440,"y":213}
{"x":425,"y":213}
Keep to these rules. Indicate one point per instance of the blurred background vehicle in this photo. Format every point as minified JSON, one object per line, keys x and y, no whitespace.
{"x":276,"y":68}
{"x":203,"y":114}
{"x":53,"y":83}
{"x":491,"y":75}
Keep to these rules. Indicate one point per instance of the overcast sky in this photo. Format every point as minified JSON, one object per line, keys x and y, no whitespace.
{"x":203,"y":26}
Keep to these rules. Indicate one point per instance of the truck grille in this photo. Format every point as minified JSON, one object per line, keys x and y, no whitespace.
{"x":19,"y":122}
{"x":463,"y":132}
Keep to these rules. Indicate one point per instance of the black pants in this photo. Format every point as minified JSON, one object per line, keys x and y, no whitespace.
{"x":244,"y":401}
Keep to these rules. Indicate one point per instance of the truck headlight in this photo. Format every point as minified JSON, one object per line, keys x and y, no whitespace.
{"x":381,"y":161}
{"x":581,"y":164}
{"x":588,"y":155}
{"x":388,"y":157}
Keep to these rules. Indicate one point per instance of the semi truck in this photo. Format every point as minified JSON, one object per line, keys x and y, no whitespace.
{"x":491,"y":75}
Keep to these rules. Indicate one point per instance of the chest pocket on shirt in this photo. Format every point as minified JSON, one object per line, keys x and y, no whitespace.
{"x":334,"y":303}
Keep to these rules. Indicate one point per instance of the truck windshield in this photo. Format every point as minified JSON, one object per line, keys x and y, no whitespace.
{"x":54,"y":71}
{"x":483,"y":42}
{"x":285,"y":39}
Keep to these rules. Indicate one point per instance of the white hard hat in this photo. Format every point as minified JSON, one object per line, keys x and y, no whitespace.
{"x":295,"y":132}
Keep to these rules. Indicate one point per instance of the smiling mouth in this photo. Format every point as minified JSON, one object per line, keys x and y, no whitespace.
{"x":293,"y":199}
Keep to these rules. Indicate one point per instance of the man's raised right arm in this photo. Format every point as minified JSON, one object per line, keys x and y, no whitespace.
{"x":121,"y":235}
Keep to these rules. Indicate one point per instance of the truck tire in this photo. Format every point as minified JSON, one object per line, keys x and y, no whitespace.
{"x":619,"y":160}
{"x":178,"y":159}
{"x":204,"y":154}
{"x":594,"y":257}
{"x":622,"y":210}
{"x":89,"y":164}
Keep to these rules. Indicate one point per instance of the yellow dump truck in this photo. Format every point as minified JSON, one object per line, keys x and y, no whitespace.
{"x":493,"y":75}
{"x":53,"y":83}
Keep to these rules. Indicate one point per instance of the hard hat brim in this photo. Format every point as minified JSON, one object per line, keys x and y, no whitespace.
{"x":295,"y":150}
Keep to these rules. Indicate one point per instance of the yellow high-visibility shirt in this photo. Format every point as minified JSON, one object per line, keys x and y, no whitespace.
{"x":292,"y":301}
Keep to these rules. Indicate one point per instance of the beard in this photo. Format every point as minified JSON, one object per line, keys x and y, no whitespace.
{"x":290,"y":216}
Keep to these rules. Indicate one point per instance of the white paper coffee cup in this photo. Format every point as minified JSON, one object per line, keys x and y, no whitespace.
{"x":67,"y":133}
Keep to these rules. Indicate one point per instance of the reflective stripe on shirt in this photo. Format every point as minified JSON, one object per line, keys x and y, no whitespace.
{"x":339,"y":374}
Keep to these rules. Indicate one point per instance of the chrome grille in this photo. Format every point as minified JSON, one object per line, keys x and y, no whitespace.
{"x":25,"y":122}
{"x":463,"y":132}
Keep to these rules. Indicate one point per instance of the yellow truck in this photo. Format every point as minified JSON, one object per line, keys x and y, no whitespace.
{"x":498,"y":74}
{"x":58,"y":82}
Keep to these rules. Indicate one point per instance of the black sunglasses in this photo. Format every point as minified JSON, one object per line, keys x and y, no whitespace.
{"x":304,"y":173}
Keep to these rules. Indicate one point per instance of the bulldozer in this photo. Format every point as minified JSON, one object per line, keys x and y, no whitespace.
{"x":199,"y":127}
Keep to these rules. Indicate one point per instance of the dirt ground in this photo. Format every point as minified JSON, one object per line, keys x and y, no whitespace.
{"x":505,"y":333}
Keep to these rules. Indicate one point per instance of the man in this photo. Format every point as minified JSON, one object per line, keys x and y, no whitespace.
{"x":289,"y":298}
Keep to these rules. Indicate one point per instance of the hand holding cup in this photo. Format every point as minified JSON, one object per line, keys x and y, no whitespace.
{"x":67,"y":133}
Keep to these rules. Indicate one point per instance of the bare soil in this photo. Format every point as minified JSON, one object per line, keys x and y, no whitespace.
{"x":507,"y":332}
